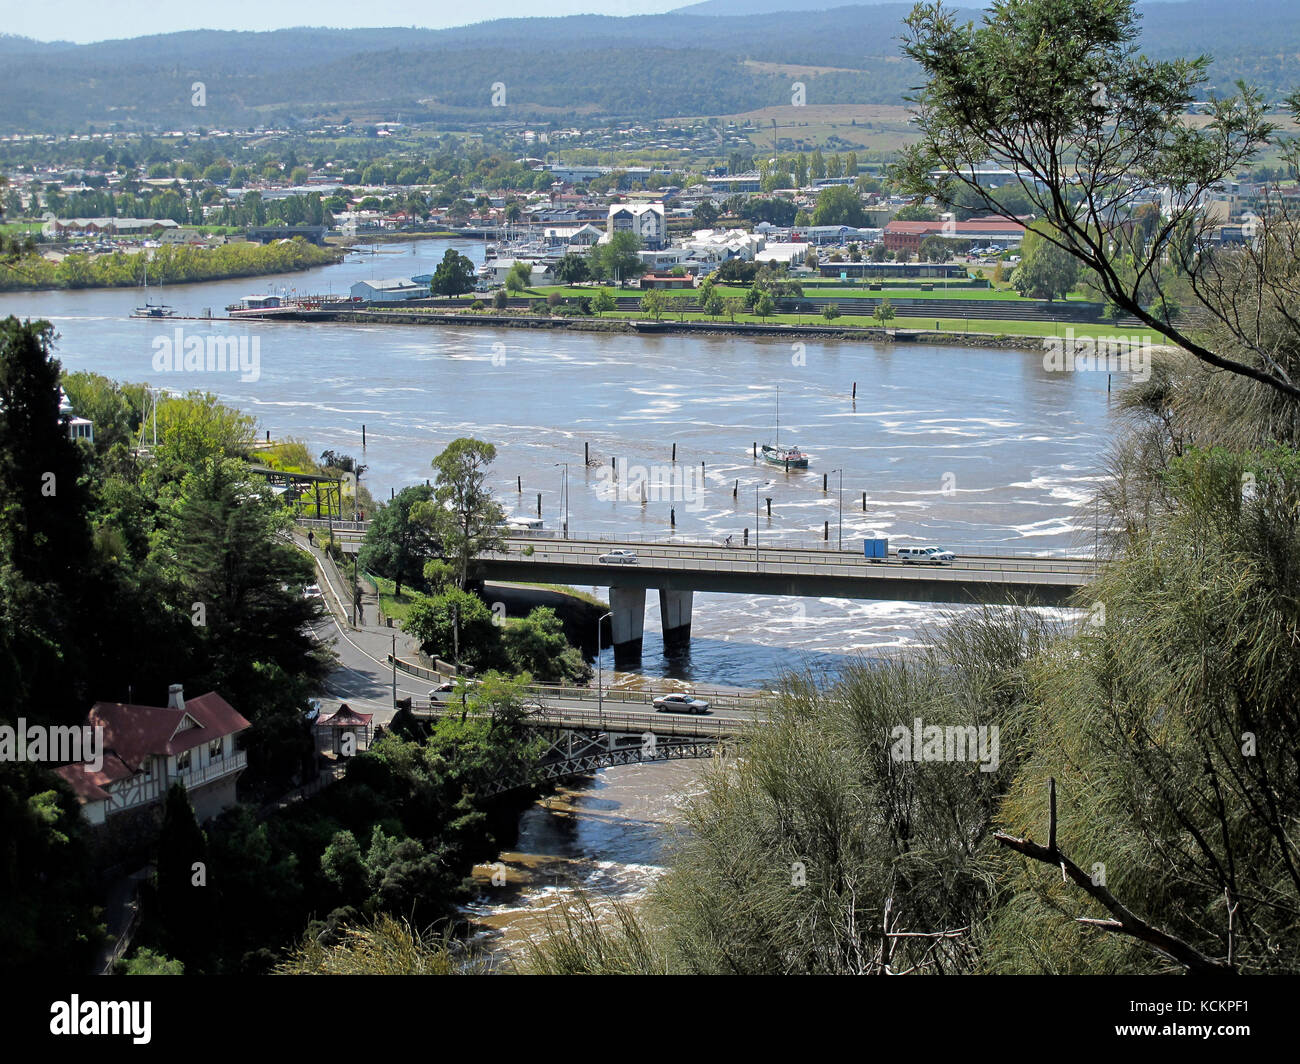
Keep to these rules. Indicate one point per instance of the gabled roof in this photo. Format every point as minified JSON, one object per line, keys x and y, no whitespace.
{"x":133,"y":733}
{"x":345,"y":716}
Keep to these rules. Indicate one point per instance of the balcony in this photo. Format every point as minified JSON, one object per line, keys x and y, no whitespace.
{"x":215,"y":770}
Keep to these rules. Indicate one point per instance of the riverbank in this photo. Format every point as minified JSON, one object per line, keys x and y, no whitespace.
{"x":873,"y":335}
{"x":174,"y":265}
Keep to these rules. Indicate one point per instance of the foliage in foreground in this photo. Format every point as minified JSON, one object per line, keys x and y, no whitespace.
{"x":384,"y":946}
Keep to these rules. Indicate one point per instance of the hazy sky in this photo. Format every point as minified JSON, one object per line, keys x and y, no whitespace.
{"x":95,"y":20}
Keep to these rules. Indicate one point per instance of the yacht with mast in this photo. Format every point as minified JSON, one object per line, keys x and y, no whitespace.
{"x":151,"y":310}
{"x":774,"y":453}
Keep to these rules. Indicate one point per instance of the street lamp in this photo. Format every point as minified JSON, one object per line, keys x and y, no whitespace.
{"x":757,"y":488}
{"x":565,"y":493}
{"x":841,"y":473}
{"x":600,"y":673}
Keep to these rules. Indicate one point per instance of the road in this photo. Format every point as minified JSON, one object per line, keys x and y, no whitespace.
{"x":364,"y":677}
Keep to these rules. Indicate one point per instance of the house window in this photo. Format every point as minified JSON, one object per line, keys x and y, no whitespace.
{"x":216,"y":750}
{"x":183,"y":762}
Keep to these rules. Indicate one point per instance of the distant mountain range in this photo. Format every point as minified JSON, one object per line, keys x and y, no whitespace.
{"x":701,"y":60}
{"x":768,"y":7}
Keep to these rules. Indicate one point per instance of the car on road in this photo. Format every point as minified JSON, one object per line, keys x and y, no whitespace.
{"x":532,"y":706}
{"x":311,"y":591}
{"x":680,"y":704}
{"x":926,"y":556}
{"x":619,"y":557}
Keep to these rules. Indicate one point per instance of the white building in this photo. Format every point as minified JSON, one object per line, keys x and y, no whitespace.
{"x":393,"y":290}
{"x":646,"y":220}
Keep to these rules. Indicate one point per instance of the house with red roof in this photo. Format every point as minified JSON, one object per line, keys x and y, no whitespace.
{"x":148,"y":748}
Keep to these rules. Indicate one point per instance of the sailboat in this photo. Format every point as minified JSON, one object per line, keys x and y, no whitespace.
{"x":790,"y":457}
{"x":151,"y":310}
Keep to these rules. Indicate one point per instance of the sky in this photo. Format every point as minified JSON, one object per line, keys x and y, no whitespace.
{"x":95,"y":20}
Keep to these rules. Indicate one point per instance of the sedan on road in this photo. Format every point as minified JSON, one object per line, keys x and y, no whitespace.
{"x":619,"y":557}
{"x":680,"y":704}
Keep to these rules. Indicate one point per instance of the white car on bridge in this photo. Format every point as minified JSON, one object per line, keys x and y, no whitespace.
{"x":926,"y":555}
{"x":619,"y":557}
{"x":680,"y":704}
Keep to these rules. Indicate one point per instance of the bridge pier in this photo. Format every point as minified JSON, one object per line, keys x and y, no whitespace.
{"x":627,"y":604}
{"x":675,"y":615}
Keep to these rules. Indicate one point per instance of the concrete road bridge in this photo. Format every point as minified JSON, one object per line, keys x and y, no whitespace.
{"x":676,"y":570}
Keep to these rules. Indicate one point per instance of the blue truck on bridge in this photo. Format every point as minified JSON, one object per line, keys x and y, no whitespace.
{"x":876,"y":550}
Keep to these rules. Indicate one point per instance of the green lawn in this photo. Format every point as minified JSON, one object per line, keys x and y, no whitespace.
{"x":811,"y":291}
{"x":992,"y":326}
{"x":395,"y":606}
{"x":987,"y":326}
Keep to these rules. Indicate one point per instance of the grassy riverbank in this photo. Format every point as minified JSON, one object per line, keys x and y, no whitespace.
{"x":973,"y":331}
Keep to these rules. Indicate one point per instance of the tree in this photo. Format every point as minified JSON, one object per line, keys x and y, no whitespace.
{"x":839,"y":205}
{"x":715,"y":306}
{"x":464,"y":516}
{"x":457,"y":626}
{"x":765,"y":307}
{"x":916,"y":212}
{"x":397,"y":543}
{"x":734,"y":305}
{"x":234,"y":581}
{"x":454,"y":276}
{"x":704,"y":293}
{"x":572,"y":269}
{"x":500,"y":299}
{"x":45,"y":539}
{"x":884,"y":311}
{"x":1046,"y":270}
{"x":705,"y":214}
{"x":181,"y":907}
{"x":831,"y":311}
{"x":519,"y":276}
{"x":990,"y":95}
{"x":618,"y":258}
{"x":652,"y":303}
{"x":536,"y":644}
{"x":603,"y":301}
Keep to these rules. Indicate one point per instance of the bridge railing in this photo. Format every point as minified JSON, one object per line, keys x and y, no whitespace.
{"x":810,"y":542}
{"x":694,"y":727}
{"x":813,"y":542}
{"x":338,"y":526}
{"x":743,"y":561}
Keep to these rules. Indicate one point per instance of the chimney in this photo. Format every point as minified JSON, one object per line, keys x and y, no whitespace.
{"x":175,"y":697}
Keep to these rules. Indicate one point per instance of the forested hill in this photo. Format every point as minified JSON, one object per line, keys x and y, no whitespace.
{"x":578,"y":67}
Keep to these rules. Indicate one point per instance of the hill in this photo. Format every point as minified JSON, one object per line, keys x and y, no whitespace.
{"x":557,"y":69}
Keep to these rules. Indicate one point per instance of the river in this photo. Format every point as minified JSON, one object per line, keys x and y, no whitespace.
{"x":951,"y":445}
{"x":964,"y":447}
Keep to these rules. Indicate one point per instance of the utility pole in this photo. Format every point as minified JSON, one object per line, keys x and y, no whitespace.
{"x":394,"y":670}
{"x":600,"y":675}
{"x":564,"y":491}
{"x":841,"y":473}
